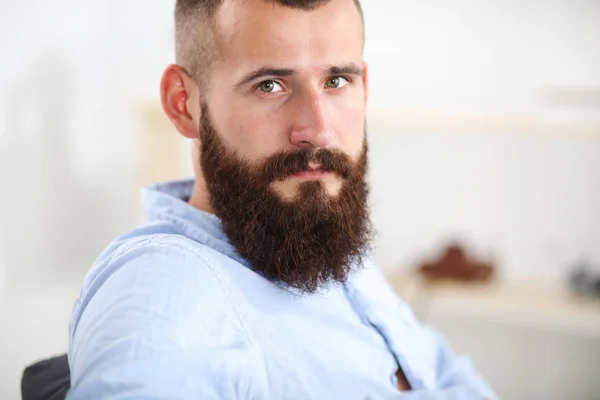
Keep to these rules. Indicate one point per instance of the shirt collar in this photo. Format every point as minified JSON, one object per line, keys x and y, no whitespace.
{"x":169,"y":201}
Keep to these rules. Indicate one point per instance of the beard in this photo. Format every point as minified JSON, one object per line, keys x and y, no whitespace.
{"x":306,"y":243}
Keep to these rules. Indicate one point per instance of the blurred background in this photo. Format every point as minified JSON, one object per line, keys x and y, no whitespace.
{"x":484,"y":126}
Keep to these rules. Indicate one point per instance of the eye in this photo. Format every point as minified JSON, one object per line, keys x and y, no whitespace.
{"x":270,"y":87}
{"x":337,"y":82}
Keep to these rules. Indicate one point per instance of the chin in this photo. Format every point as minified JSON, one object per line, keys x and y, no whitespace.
{"x":312,"y":189}
{"x":292,"y":188}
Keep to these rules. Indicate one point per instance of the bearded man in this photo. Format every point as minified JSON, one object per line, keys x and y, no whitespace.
{"x":254,"y":280}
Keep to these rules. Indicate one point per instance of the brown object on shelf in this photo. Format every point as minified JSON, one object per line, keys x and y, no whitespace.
{"x":454,"y":264}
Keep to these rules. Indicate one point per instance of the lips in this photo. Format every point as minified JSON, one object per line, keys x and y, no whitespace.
{"x":311,"y":173}
{"x":314,"y":170}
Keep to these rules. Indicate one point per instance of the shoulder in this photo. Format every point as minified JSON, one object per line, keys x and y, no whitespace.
{"x":157,"y":253}
{"x":160,"y":302}
{"x":154,"y":274}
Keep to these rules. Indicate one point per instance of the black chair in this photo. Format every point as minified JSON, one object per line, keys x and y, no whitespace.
{"x":47,"y":379}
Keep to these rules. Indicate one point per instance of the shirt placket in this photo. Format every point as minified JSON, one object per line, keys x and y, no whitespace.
{"x":370,"y":319}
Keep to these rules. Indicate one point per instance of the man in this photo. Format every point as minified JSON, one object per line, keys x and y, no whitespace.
{"x":253,"y":281}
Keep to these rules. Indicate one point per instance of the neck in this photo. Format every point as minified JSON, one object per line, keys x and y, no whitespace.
{"x":199,"y":198}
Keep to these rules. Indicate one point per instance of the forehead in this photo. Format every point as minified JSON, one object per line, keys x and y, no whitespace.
{"x":258,"y":33}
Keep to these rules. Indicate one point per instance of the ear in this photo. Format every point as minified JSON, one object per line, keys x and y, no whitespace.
{"x":176,"y":91}
{"x":365,"y":79}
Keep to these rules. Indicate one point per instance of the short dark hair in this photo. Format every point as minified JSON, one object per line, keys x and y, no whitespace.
{"x":196,"y":39}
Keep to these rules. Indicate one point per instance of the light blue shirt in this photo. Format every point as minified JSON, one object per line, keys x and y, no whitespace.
{"x":171,"y":311}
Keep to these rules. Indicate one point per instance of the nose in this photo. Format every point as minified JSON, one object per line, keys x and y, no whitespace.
{"x":310,"y":128}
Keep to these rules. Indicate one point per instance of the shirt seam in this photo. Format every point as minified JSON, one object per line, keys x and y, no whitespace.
{"x":121,"y":250}
{"x":211,"y":266}
{"x":126,"y":248}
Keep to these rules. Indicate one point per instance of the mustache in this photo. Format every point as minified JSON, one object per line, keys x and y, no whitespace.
{"x":284,"y":164}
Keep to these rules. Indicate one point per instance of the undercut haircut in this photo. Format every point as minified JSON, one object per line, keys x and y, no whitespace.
{"x":197,"y":43}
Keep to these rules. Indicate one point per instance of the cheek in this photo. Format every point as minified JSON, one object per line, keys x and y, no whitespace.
{"x":348,"y":124}
{"x":252,"y":133}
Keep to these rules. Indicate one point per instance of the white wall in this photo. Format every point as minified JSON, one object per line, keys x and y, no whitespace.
{"x":485,"y":127}
{"x":67,"y":136}
{"x":484,"y":56}
{"x":532,"y":204}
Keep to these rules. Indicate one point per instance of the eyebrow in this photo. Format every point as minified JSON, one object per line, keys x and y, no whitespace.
{"x":265,"y":71}
{"x":349,"y":69}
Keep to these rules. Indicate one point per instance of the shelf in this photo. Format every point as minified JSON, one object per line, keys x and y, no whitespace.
{"x":472,"y":122}
{"x":532,"y":305}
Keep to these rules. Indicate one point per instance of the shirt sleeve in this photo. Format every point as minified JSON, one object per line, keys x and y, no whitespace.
{"x":456,"y":376}
{"x":158,"y":323}
{"x":444,"y":374}
{"x":452,"y":393}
